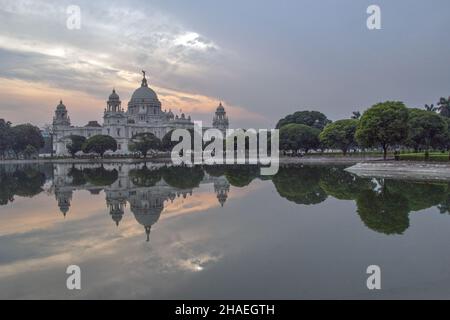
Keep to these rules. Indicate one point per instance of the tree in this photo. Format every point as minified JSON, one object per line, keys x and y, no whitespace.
{"x":425,"y":129}
{"x":25,"y":135}
{"x":29,"y":151}
{"x":340,"y":135}
{"x":75,"y":145}
{"x":144,"y":142}
{"x":299,"y":137}
{"x":313,"y":119}
{"x":5,"y":136}
{"x":444,"y":107}
{"x":383,"y":125}
{"x":168,"y":144}
{"x":100,"y":144}
{"x":356,"y":115}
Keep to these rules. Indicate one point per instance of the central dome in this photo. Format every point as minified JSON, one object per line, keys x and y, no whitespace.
{"x":144,"y":93}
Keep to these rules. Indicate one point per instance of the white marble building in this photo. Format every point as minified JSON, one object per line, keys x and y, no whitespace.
{"x":144,"y":114}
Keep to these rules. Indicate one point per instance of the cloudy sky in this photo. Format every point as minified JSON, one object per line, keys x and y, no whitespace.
{"x":263,"y":59}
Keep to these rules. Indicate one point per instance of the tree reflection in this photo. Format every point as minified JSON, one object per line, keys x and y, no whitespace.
{"x":383,"y":205}
{"x":183,"y":177}
{"x":100,"y":176}
{"x":241,"y":175}
{"x":145,"y":177}
{"x":384,"y":212}
{"x":420,"y":195}
{"x":300,"y":184}
{"x":343,"y":185}
{"x":23,"y":182}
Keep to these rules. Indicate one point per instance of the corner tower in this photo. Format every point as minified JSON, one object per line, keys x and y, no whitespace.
{"x":220,"y":120}
{"x":61,"y":118}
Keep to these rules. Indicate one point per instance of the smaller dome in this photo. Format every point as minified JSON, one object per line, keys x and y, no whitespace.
{"x":114,"y":95}
{"x":60,"y":105}
{"x":220,"y":108}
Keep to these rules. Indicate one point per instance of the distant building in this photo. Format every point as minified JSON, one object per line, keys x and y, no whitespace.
{"x":144,"y":114}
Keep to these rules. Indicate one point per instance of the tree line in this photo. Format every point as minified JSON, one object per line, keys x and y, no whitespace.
{"x":20,"y":140}
{"x":387,"y":125}
{"x":141,"y":143}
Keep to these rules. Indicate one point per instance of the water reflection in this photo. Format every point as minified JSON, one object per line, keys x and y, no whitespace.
{"x":383,"y":205}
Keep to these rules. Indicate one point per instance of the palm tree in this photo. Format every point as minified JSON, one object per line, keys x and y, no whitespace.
{"x":431,"y":108}
{"x":356,"y":115}
{"x":444,"y":107}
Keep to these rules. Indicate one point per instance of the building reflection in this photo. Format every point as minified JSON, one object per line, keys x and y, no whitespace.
{"x":382,"y":204}
{"x":145,"y":190}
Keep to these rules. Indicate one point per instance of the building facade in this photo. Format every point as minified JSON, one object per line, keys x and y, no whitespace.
{"x":144,"y":114}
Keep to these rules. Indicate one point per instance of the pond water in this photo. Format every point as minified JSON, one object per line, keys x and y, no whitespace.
{"x":151,"y":232}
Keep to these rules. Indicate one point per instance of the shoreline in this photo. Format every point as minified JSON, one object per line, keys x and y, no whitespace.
{"x":282,"y":160}
{"x":407,"y":170}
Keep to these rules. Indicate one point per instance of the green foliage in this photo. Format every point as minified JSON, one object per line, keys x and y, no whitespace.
{"x":384,"y":212}
{"x":100,"y":144}
{"x":168,"y":144}
{"x":100,"y":176}
{"x":426,"y":129}
{"x":25,"y":135}
{"x":314,"y":119}
{"x":5,"y":136}
{"x":420,"y":195}
{"x":144,"y":142}
{"x":75,"y":145}
{"x":145,"y":177}
{"x":340,"y":135}
{"x":23,"y":182}
{"x":343,"y":185}
{"x":183,"y":177}
{"x":78,"y":178}
{"x":299,"y":137}
{"x":29,"y":152}
{"x":300,"y":184}
{"x":384,"y":125}
{"x":215,"y":170}
{"x":420,"y":156}
{"x":241,"y":175}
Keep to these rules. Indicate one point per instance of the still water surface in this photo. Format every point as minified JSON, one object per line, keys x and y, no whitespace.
{"x":185,"y":233}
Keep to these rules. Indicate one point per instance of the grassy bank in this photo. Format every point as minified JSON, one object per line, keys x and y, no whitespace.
{"x":434,"y":156}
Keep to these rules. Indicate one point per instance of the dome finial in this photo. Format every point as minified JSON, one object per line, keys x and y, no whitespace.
{"x":147,"y":231}
{"x":144,"y":80}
